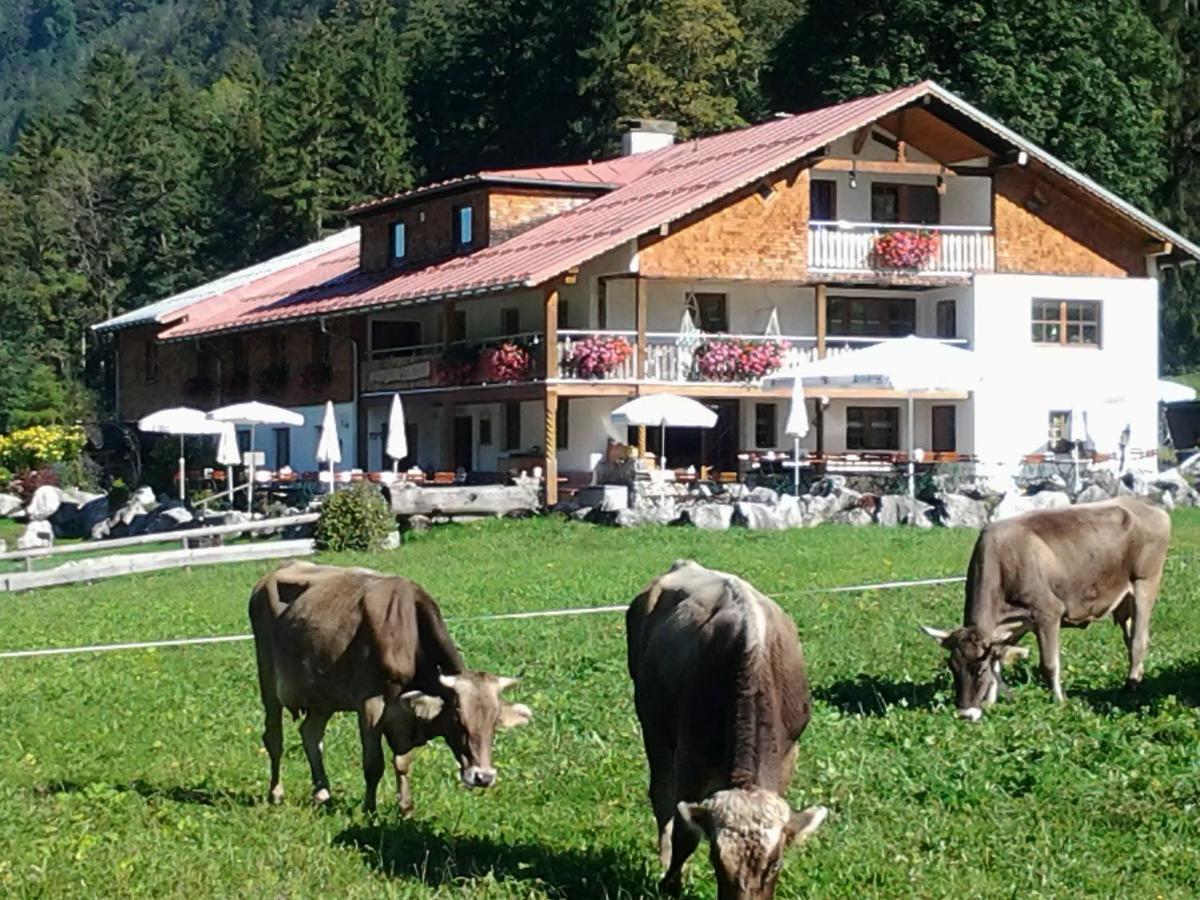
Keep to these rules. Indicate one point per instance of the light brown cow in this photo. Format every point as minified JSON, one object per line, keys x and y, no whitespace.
{"x":1051,"y":568}
{"x":331,"y":639}
{"x":722,"y":697}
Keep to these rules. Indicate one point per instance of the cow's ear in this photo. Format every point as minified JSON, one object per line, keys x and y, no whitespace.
{"x":504,"y":682}
{"x":1009,"y":655}
{"x":424,"y":706}
{"x":696,"y":816}
{"x":805,"y":822}
{"x":942,"y":637}
{"x":514,"y":714}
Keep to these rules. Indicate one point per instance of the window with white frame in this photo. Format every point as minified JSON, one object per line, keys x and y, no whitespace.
{"x":399,"y":242}
{"x":463,"y":225}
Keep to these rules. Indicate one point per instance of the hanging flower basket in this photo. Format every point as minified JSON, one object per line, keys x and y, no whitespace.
{"x":598,"y":356}
{"x":508,"y":362}
{"x":906,"y":249}
{"x":737,"y":359}
{"x":459,"y":365}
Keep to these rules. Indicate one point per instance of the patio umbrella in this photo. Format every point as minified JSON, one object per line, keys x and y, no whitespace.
{"x":227,"y":454}
{"x":796,"y":427}
{"x":180,"y":420}
{"x":397,"y":439}
{"x":909,"y":364}
{"x":254,"y":414}
{"x":663,"y":410}
{"x":1174,"y":392}
{"x":329,"y":449}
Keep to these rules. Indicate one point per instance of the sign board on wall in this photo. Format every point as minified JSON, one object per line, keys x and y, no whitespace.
{"x":400,"y":374}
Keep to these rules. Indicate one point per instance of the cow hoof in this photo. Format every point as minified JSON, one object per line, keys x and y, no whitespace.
{"x":670,"y":885}
{"x":406,"y":809}
{"x":321,"y":797}
{"x":1133,"y":685}
{"x":275,"y":797}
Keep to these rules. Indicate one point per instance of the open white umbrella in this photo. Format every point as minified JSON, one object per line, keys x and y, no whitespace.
{"x":909,"y":364}
{"x":796,"y":427}
{"x":397,"y":439}
{"x":329,"y":448}
{"x":227,"y":454}
{"x":1174,"y":392}
{"x":255,"y":414}
{"x":663,"y":411}
{"x":180,"y":420}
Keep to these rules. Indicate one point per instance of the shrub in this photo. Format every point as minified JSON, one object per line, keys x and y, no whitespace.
{"x":26,"y":483}
{"x":118,"y":494}
{"x":5,"y":477}
{"x":41,"y":445}
{"x":357,"y":518}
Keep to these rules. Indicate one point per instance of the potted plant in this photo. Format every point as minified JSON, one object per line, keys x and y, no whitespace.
{"x":738,"y":359}
{"x":507,"y":362}
{"x":598,"y":356}
{"x":906,"y":249}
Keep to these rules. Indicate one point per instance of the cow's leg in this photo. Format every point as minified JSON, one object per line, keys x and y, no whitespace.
{"x":1047,"y":632}
{"x":369,"y":716}
{"x":312,"y":732}
{"x":402,"y":766}
{"x":1145,"y":595}
{"x":273,"y":741}
{"x":683,"y":840}
{"x":1123,"y":617}
{"x":662,"y":797}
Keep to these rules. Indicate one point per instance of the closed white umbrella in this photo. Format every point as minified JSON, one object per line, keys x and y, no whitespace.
{"x":180,"y":420}
{"x":397,"y":440}
{"x":254,"y":414}
{"x":227,"y":454}
{"x":796,"y":427}
{"x":663,"y":411}
{"x":329,"y":449}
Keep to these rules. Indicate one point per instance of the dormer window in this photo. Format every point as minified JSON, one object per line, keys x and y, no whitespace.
{"x":463,"y":227}
{"x":399,"y":242}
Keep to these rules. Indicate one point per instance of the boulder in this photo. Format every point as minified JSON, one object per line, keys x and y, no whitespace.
{"x":1093,"y":493}
{"x":830,"y":484}
{"x":711,"y":516}
{"x":417,"y":523}
{"x":101,"y":531}
{"x":145,"y":496}
{"x":168,"y":518}
{"x":38,"y":533}
{"x":647,"y":515}
{"x":1015,"y":504}
{"x":820,"y":509}
{"x":767,"y":517}
{"x":235,"y":517}
{"x":1105,"y":480}
{"x":959,"y":511}
{"x":44,"y":503}
{"x":855,"y":516}
{"x":392,"y":541}
{"x":581,"y":513}
{"x":763,"y":495}
{"x":78,"y":513}
{"x":1136,"y":484}
{"x":10,"y":505}
{"x":896,"y":509}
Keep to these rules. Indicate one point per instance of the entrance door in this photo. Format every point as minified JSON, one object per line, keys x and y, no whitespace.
{"x":464,"y":443}
{"x":943,"y":429}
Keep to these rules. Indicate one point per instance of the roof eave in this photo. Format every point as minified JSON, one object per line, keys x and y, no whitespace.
{"x":470,"y":181}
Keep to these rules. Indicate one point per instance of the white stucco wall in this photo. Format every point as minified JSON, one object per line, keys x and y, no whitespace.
{"x":304,"y":438}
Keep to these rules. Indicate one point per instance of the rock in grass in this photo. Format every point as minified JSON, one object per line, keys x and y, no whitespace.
{"x":38,"y":533}
{"x":650,"y":515}
{"x":44,"y":503}
{"x":10,"y":505}
{"x":711,"y":516}
{"x":895,"y":509}
{"x":1093,"y":493}
{"x":958,"y":511}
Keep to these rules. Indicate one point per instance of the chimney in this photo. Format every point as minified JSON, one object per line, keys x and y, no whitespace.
{"x":645,"y":135}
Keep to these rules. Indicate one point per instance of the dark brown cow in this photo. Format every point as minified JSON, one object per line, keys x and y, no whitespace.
{"x":330,"y":639}
{"x":1051,"y":568}
{"x":722,"y":697}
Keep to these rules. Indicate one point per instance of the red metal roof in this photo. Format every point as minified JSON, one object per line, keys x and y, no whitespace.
{"x":657,"y":187}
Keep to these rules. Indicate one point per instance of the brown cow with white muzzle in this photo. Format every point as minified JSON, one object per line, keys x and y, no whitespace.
{"x":1046,"y":569}
{"x":722,"y":697}
{"x":331,"y":639}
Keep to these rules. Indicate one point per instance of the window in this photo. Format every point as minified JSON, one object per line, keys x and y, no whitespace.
{"x":872,"y":316}
{"x":764,"y":425}
{"x":150,"y":359}
{"x":1059,"y":426}
{"x":822,"y":200}
{"x":1067,"y":322}
{"x":602,"y":304}
{"x":510,"y":320}
{"x":944,"y":436}
{"x":243,"y":440}
{"x":872,"y":428}
{"x":458,"y":325}
{"x":512,"y":425}
{"x":389,"y":334}
{"x":917,"y":204}
{"x":485,"y":431}
{"x":283,"y":447}
{"x":399,"y":242}
{"x":319,"y":348}
{"x":713,"y":313}
{"x":947,"y":319}
{"x":461,"y":221}
{"x":562,"y":420}
{"x":564,"y":317}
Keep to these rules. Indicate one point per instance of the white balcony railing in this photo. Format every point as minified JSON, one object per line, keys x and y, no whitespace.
{"x":852,"y":247}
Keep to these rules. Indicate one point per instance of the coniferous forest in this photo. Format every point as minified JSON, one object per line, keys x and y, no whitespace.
{"x":149,"y":145}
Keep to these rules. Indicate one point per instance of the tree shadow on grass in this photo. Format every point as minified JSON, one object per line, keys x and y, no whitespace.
{"x":199,"y":795}
{"x":1181,"y":681}
{"x":870,"y":695}
{"x":412,"y":849}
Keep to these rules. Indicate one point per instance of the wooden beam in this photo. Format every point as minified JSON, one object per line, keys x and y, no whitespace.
{"x":860,"y":139}
{"x":1159,"y":248}
{"x":884,"y":167}
{"x":550,"y":330}
{"x":551,"y":473}
{"x":640,"y":315}
{"x":822,"y":301}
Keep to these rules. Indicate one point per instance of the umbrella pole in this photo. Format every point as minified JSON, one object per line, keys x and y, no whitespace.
{"x":912,"y":468}
{"x":250,"y":472}
{"x":181,"y":472}
{"x":796,"y":466}
{"x":662,"y":450}
{"x":229,"y":484}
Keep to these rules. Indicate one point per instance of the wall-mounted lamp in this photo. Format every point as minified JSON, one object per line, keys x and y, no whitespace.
{"x":421,"y":216}
{"x":853,"y":177}
{"x":941,"y":185}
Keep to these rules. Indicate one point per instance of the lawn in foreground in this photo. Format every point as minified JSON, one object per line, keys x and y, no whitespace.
{"x":141,"y":773}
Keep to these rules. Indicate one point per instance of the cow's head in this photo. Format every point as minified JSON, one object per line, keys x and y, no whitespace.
{"x":466,"y":712}
{"x":748,"y":831}
{"x":975,"y":662}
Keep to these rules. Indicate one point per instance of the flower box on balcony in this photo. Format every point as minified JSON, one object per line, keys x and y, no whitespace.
{"x":906,"y":249}
{"x":738,"y":359}
{"x":599,"y":356}
{"x":508,"y":362}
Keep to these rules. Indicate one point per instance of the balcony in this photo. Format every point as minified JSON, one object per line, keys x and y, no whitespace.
{"x":871,"y":248}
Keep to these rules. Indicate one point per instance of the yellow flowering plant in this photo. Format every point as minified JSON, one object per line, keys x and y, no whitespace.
{"x":41,"y":445}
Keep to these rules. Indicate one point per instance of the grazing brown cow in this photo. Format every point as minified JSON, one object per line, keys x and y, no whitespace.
{"x":1051,"y":568}
{"x":721,"y":695}
{"x":331,"y":639}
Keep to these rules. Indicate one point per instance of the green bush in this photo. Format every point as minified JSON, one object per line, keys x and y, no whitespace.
{"x":354,"y":519}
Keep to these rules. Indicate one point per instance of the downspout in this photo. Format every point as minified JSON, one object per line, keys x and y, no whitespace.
{"x":359,"y":449}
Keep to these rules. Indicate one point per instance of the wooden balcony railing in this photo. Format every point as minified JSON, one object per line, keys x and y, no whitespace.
{"x":853,"y":248}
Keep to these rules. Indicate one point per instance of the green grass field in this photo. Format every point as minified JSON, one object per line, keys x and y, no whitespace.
{"x":141,"y":773}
